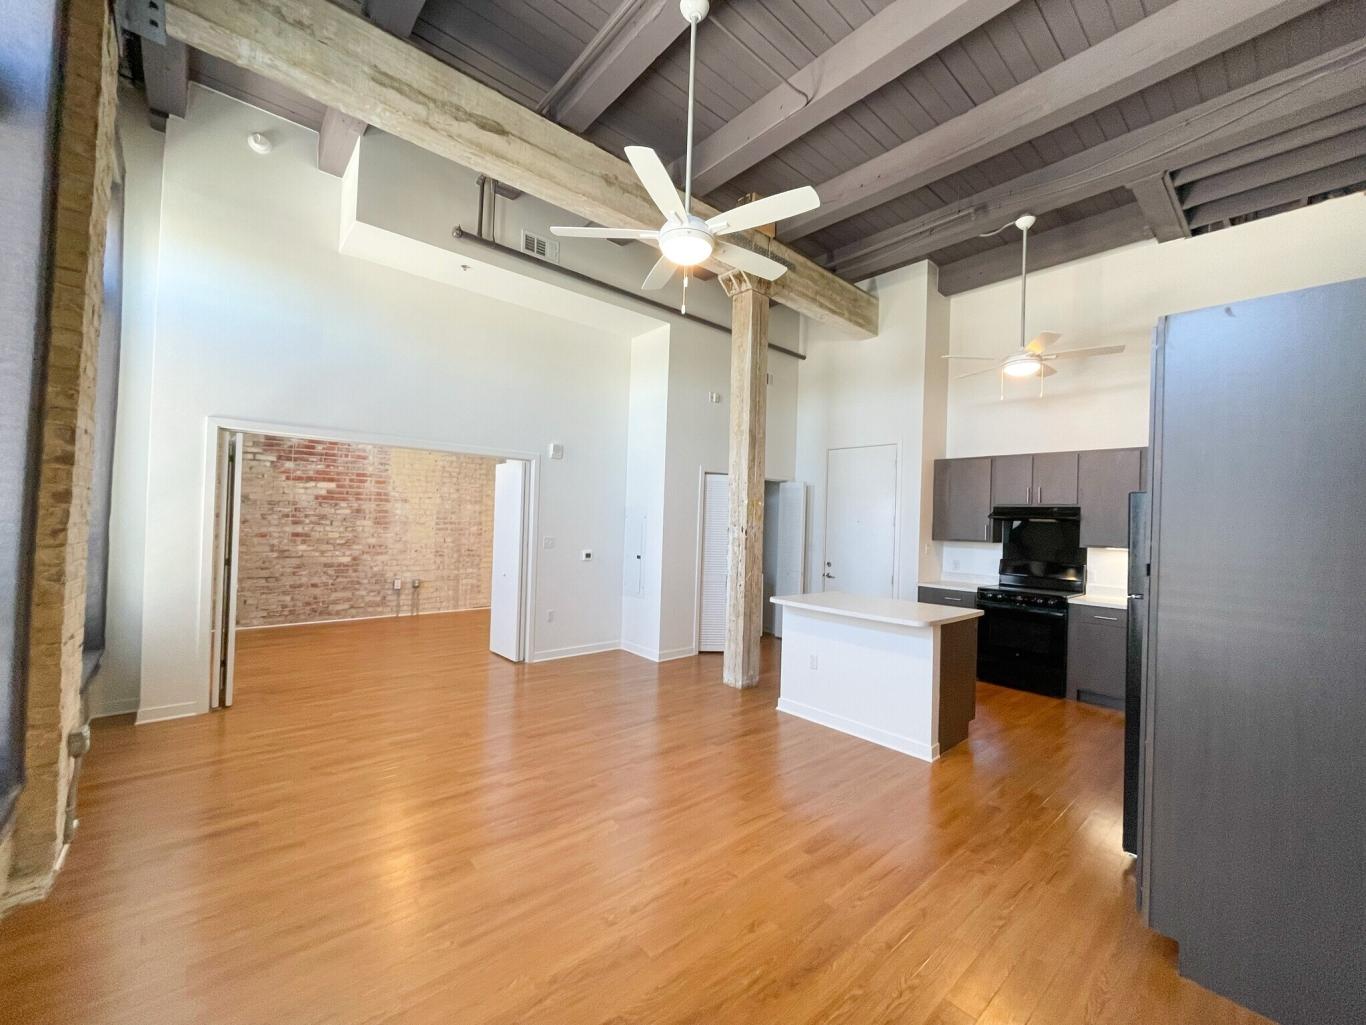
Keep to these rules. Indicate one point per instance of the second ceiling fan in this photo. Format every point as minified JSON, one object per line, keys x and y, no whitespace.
{"x":684,"y":239}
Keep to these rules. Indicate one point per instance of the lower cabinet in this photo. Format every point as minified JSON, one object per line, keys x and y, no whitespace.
{"x":945,"y":596}
{"x":1097,"y":639}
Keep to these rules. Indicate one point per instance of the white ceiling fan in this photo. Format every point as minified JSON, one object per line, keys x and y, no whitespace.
{"x":1032,"y":358}
{"x":684,"y":239}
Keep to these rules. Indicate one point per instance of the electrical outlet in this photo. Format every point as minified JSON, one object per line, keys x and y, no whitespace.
{"x":550,"y":615}
{"x":416,"y":583}
{"x":586,"y":555}
{"x":398,"y":584}
{"x":815,"y":662}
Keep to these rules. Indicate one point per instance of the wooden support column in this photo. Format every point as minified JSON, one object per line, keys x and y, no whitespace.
{"x":749,"y":298}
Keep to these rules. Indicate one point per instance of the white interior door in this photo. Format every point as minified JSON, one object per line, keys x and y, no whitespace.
{"x":715,"y":535}
{"x":791,"y":529}
{"x":509,"y":544}
{"x":860,"y":520}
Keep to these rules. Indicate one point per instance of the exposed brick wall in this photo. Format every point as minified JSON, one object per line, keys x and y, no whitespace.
{"x":326,"y":526}
{"x":84,"y":177}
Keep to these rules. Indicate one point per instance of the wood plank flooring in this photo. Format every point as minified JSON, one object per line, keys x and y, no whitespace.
{"x":393,"y":826}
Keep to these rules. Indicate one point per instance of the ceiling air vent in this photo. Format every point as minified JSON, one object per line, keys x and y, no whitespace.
{"x":540,"y":247}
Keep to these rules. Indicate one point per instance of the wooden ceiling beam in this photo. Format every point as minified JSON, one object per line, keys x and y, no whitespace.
{"x":887,"y":45}
{"x":397,"y":17}
{"x":1096,"y":234}
{"x":1313,"y":89}
{"x":632,"y":39}
{"x":1274,"y":168}
{"x":1155,"y":48}
{"x":341,"y":60}
{"x":1341,"y":175}
{"x":1304,"y":135}
{"x":166,"y":77}
{"x":338,"y":137}
{"x":1161,"y":209}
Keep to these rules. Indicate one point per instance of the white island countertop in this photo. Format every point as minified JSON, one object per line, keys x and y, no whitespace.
{"x":894,"y":611}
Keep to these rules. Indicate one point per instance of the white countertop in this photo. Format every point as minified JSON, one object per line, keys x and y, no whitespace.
{"x":1107,"y":599}
{"x":961,"y":583}
{"x":894,"y":611}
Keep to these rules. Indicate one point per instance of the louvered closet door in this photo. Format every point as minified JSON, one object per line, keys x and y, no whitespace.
{"x":715,"y":528}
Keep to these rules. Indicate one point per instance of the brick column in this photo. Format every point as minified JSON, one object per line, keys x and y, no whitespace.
{"x":84,"y":175}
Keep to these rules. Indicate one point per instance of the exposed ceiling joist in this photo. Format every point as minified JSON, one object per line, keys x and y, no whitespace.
{"x":337,"y":140}
{"x":166,"y":76}
{"x":1096,"y":234}
{"x":1161,"y":209}
{"x":1312,"y":183}
{"x":1304,"y":135}
{"x":1155,"y":48}
{"x":342,"y":60}
{"x":397,"y":17}
{"x":1274,"y":169}
{"x":893,"y":41}
{"x":627,"y":44}
{"x":1313,"y":89}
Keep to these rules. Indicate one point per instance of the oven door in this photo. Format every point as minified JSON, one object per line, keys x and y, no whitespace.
{"x":1023,"y":648}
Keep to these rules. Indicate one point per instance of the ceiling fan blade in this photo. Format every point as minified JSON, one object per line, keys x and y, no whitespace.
{"x":1045,"y":370}
{"x":974,"y":373}
{"x":1042,"y":341}
{"x":655,"y":177}
{"x":1095,"y":350}
{"x":659,"y":275}
{"x":752,"y":263}
{"x":628,"y":233}
{"x":765,"y":211}
{"x":956,"y":355}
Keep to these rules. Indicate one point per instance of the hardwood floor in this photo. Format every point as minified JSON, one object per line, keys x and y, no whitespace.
{"x":393,"y":826}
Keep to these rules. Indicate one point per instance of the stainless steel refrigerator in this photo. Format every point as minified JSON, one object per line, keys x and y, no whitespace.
{"x":1251,"y":825}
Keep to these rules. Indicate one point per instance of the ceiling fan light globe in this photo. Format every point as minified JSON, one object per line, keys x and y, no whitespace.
{"x":686,"y":245}
{"x":1021,"y":368}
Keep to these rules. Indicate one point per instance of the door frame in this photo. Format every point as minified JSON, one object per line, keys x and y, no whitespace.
{"x":209,"y":498}
{"x":702,"y":471}
{"x":896,"y":510}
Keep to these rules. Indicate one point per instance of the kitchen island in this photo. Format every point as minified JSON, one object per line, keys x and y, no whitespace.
{"x":898,"y":673}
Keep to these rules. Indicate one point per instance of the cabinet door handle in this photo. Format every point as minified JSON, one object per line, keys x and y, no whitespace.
{"x":1108,"y":619}
{"x":947,"y":598}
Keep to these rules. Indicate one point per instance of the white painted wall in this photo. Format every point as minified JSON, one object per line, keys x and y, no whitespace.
{"x":1117,"y":297}
{"x":242,"y":307}
{"x":258,"y":317}
{"x":878,"y":391}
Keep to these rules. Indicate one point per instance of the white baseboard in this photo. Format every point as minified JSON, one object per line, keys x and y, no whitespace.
{"x":119,"y":706}
{"x":551,"y":654}
{"x":654,"y":654}
{"x":160,"y":713}
{"x":884,"y":738}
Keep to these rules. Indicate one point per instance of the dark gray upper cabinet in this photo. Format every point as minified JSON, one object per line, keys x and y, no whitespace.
{"x":1105,"y":479}
{"x":1055,"y":478}
{"x":1012,"y":480}
{"x":962,"y":499}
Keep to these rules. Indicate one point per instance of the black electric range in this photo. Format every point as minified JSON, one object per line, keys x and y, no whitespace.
{"x":1022,"y":636}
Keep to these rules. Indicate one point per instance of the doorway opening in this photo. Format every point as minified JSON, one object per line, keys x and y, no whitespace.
{"x":310,"y":530}
{"x":784,"y":554}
